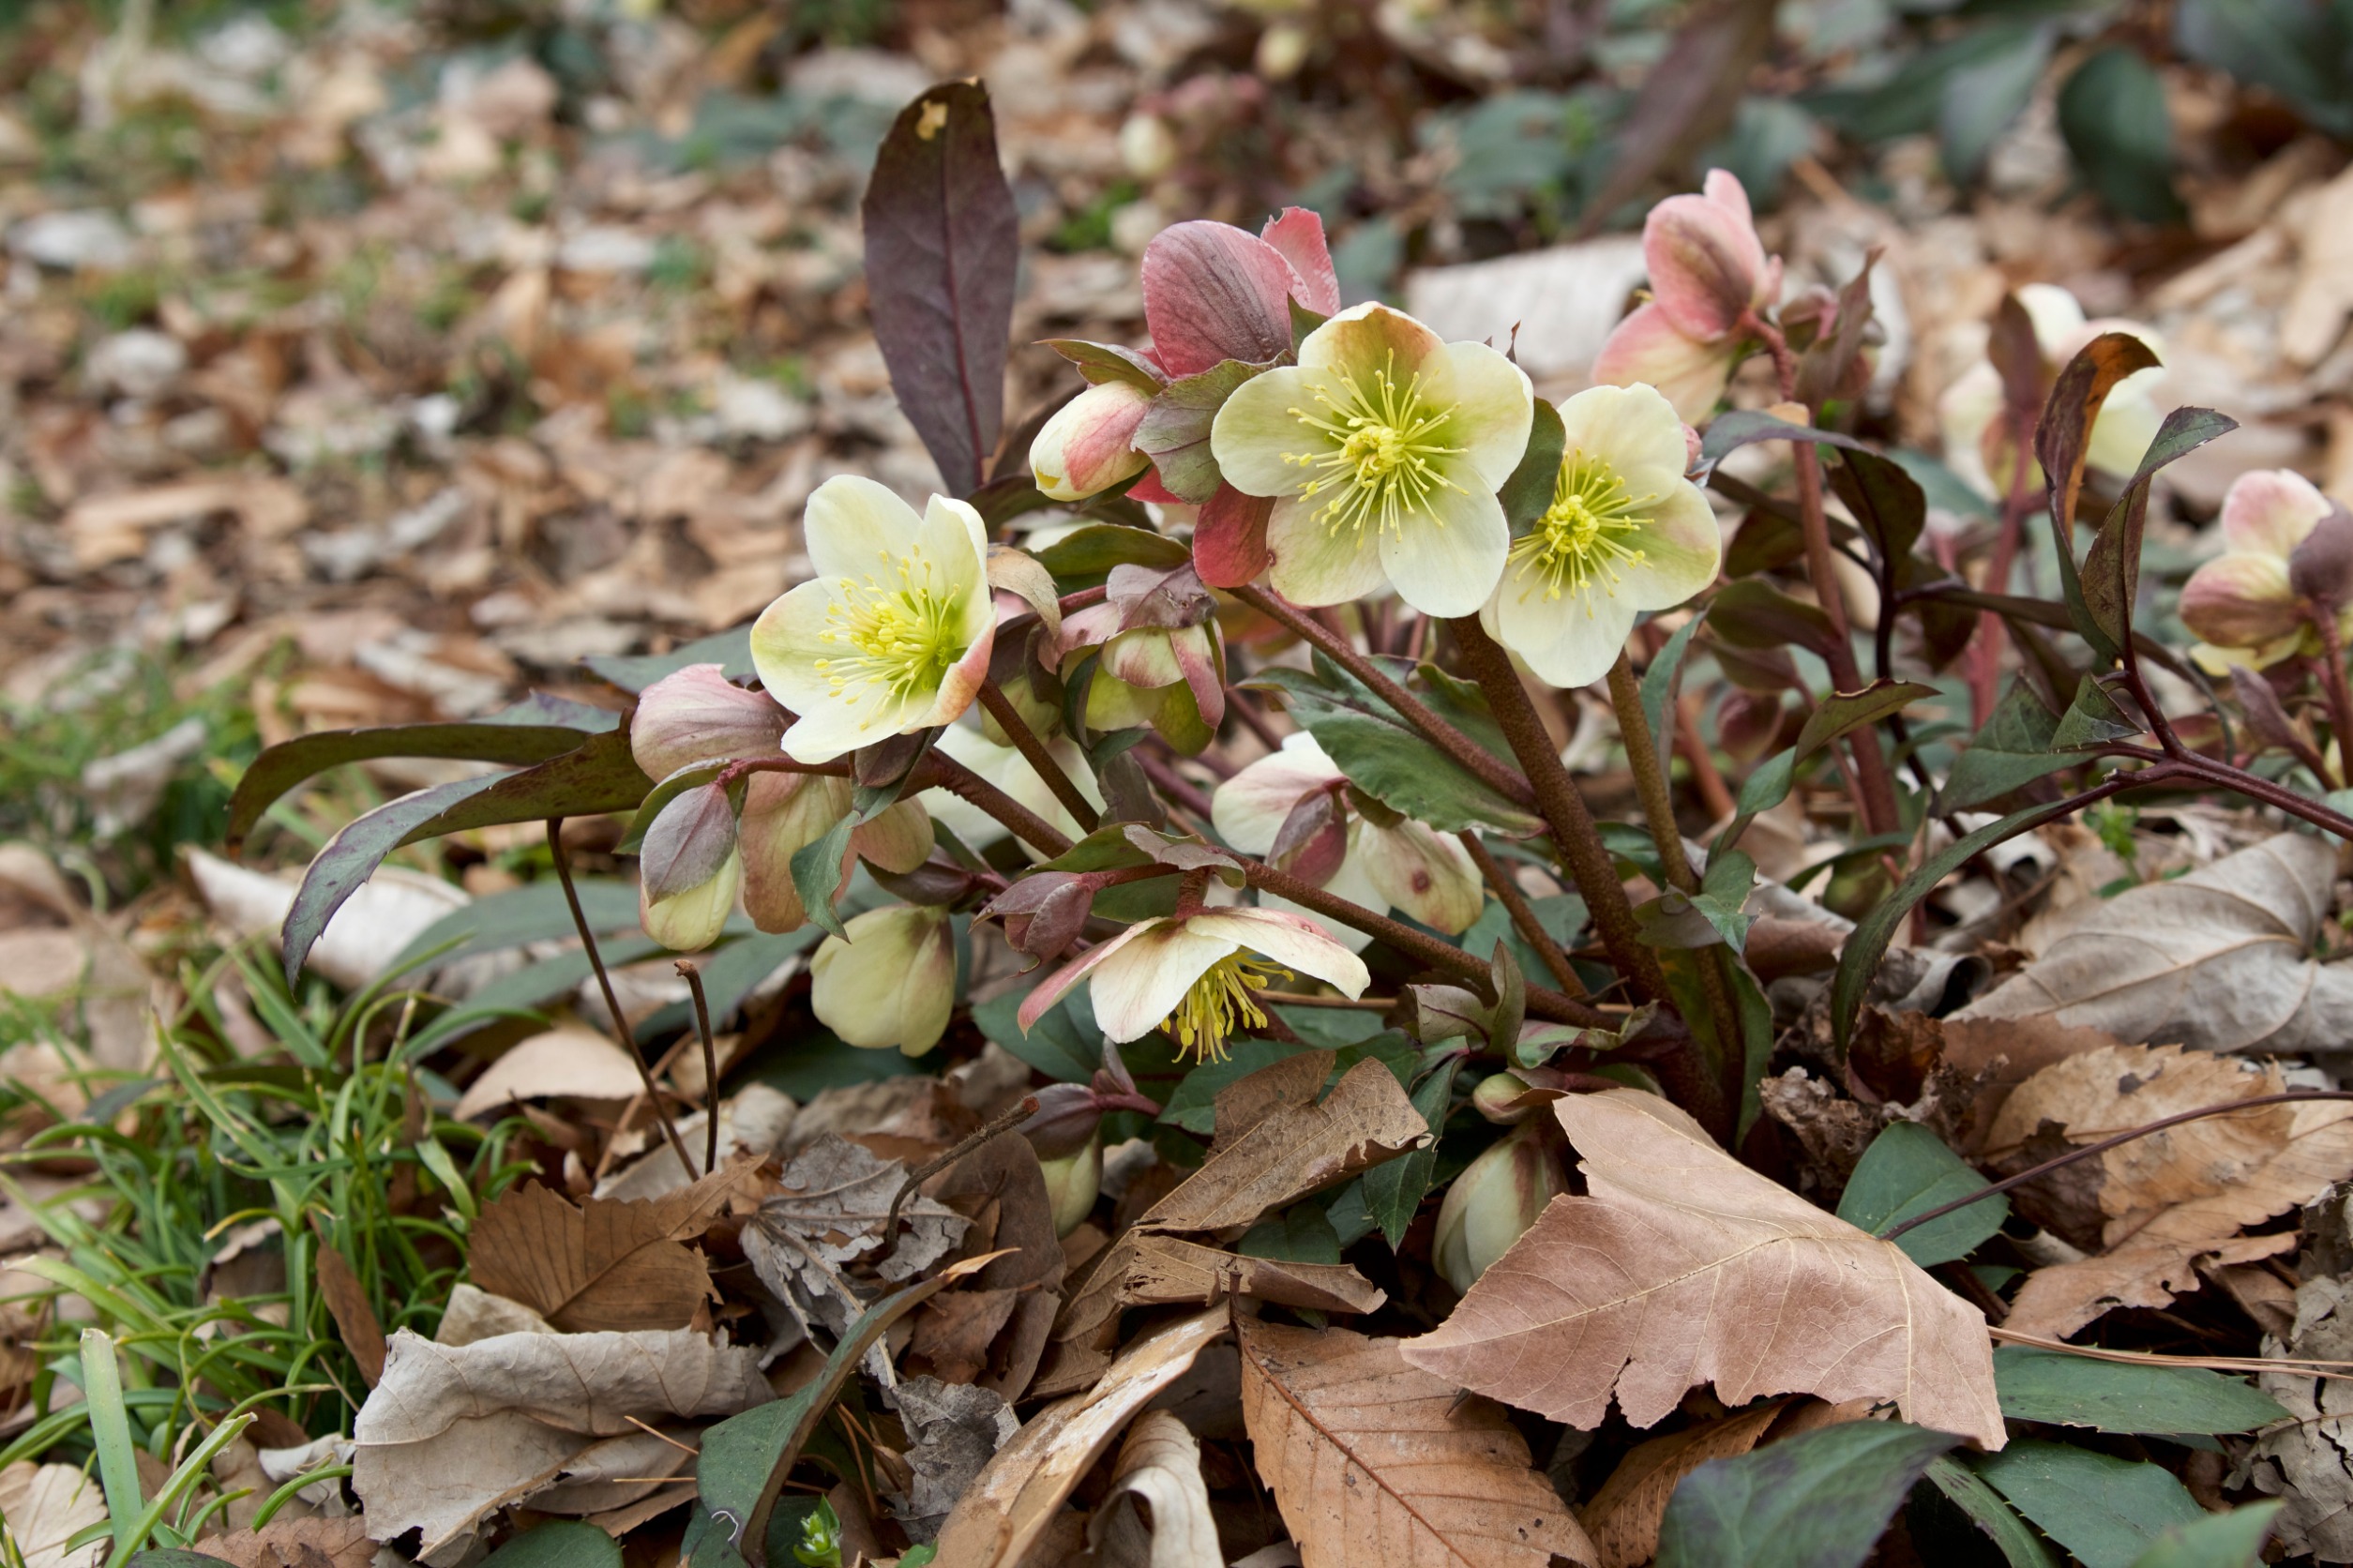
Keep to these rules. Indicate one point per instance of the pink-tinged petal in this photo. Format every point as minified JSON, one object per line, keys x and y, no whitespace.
{"x":1296,"y":234}
{"x":1370,"y":337}
{"x":1089,"y":445}
{"x":898,"y":840}
{"x":849,"y":518}
{"x":1149,"y":488}
{"x":1085,"y":628}
{"x":1449,"y":561}
{"x":960,"y":685}
{"x":2241,"y":600}
{"x":1205,"y":676}
{"x":1293,"y":941}
{"x":1213,"y":292}
{"x":1707,"y":265}
{"x":2270,"y":511}
{"x":1141,"y":985}
{"x":1249,"y":809}
{"x":1427,"y":875}
{"x":783,"y":814}
{"x":696,"y":713}
{"x":1229,"y":538}
{"x":1315,"y":563}
{"x":1648,"y":347}
{"x":1143,"y":657}
{"x":1058,"y":985}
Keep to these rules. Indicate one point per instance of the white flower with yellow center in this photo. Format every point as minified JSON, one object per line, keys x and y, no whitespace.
{"x":1198,"y":975}
{"x":894,"y":634}
{"x":1626,"y":533}
{"x":1386,"y":446}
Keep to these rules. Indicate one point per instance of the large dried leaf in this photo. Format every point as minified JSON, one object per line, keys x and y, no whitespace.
{"x":2308,"y":1462}
{"x":2217,"y":959}
{"x":1157,"y":1515}
{"x":836,"y":1201}
{"x":607,"y":1264}
{"x":1682,"y":1266}
{"x":1374,"y":1461}
{"x":295,"y":1544}
{"x":44,"y":1506}
{"x":455,"y":1431}
{"x":1014,"y":1503}
{"x":1624,"y":1517}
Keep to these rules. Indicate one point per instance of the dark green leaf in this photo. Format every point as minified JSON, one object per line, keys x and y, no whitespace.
{"x":2019,"y":1545}
{"x":2105,"y":1510}
{"x":1820,"y":1500}
{"x":2112,"y":112}
{"x":1062,"y":1045}
{"x":943,"y":248}
{"x":730,"y":650}
{"x":2014,"y":748}
{"x":533,"y":914}
{"x":1940,"y":486}
{"x":1981,"y":99}
{"x":1658,"y":681}
{"x":819,"y":1060}
{"x":1887,"y":502}
{"x":2293,"y":47}
{"x":352,"y":856}
{"x":1908,"y":1170}
{"x":817,"y":873}
{"x":1176,"y":429}
{"x":1299,"y":1234}
{"x":2232,"y":1540}
{"x":1844,"y":712}
{"x":558,"y":1544}
{"x":1742,"y":427}
{"x":1089,"y":552}
{"x":599,"y":776}
{"x":2091,"y":721}
{"x":1527,"y":494}
{"x":1752,"y":613}
{"x":1394,"y":1189}
{"x":2116,"y":1397}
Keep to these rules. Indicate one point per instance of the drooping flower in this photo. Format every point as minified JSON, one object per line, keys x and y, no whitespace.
{"x":1383,"y":448}
{"x":1088,"y":447}
{"x":892,"y":984}
{"x":696,"y":715}
{"x":689,"y":920}
{"x":2245,"y":603}
{"x":1978,"y":441}
{"x":894,"y":634}
{"x":1391,"y":863}
{"x":1496,"y":1199}
{"x":1159,"y":659}
{"x":1708,"y":271}
{"x":1198,"y":975}
{"x":1626,"y":533}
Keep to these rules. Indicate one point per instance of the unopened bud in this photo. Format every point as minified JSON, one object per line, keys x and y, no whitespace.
{"x":1507,"y":1100}
{"x":1748,"y":722}
{"x":691,"y":919}
{"x":1707,"y":268}
{"x":696,"y":715}
{"x":1090,"y":446}
{"x":2320,"y":569}
{"x":892,"y":984}
{"x":1043,"y":912}
{"x":1495,"y":1200}
{"x":1072,"y":1182}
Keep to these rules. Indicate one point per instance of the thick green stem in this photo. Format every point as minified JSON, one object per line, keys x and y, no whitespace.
{"x":1650,"y":779}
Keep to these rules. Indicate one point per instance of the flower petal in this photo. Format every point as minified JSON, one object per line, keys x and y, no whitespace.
{"x":2128,"y":422}
{"x":1569,"y":642}
{"x":1429,"y":876}
{"x":1256,"y":435}
{"x":1648,"y":347}
{"x":1964,"y":410}
{"x":1705,"y":262}
{"x":1058,"y":985}
{"x":1249,"y":809}
{"x":2270,"y":511}
{"x":1367,"y":338}
{"x":1141,"y":985}
{"x":1315,"y":564}
{"x":1296,"y":234}
{"x":1448,"y":561}
{"x":788,"y":641}
{"x":1291,"y":941}
{"x":1229,"y":538}
{"x":1682,"y":545}
{"x":1214,"y":291}
{"x":2057,"y":317}
{"x":2239,"y":600}
{"x":1494,"y":405}
{"x":850,"y":519}
{"x":1628,"y":427}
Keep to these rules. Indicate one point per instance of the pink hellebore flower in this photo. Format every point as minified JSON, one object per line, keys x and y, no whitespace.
{"x":1089,"y":445}
{"x":1197,"y":975}
{"x":1708,"y":270}
{"x":2247,"y":603}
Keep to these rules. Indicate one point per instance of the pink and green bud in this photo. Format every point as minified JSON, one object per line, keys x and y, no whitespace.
{"x":1493,"y":1203}
{"x":892,"y":984}
{"x":1089,"y":445}
{"x":696,"y":715}
{"x":1707,"y":268}
{"x":689,"y":920}
{"x":785,"y":812}
{"x":1072,"y":1183}
{"x":2285,"y":560}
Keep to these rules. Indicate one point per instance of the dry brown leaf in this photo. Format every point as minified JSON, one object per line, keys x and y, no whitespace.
{"x":1372,"y":1460}
{"x":1014,"y":1502}
{"x":453,"y":1432}
{"x":1001,"y":1189}
{"x":1682,"y":1266}
{"x":2001,"y":1054}
{"x":835,"y":1199}
{"x":1624,"y":1517}
{"x":604,"y":1264}
{"x":2217,"y":959}
{"x":953,"y":1431}
{"x":44,"y":1506}
{"x":355,"y":1319}
{"x":1251,"y":1098}
{"x":1157,"y":1514}
{"x":574,"y":1061}
{"x":1170,"y":1271}
{"x":2308,"y":1462}
{"x":295,"y":1544}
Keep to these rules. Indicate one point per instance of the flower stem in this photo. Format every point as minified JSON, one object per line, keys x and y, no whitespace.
{"x":1469,"y":754}
{"x":1523,"y":913}
{"x":2324,"y":620}
{"x":693,"y":976}
{"x":1025,"y":740}
{"x":1575,"y":836}
{"x":1704,"y":773}
{"x":1650,"y":779}
{"x":940,"y":769}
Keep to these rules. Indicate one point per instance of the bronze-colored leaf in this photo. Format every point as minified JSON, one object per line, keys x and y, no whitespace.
{"x":295,"y":1544}
{"x":606,"y":1264}
{"x":355,"y":1319}
{"x":1624,"y":1517}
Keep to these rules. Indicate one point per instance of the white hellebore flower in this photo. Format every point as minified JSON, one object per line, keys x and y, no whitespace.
{"x":892,"y":984}
{"x":1402,"y":865}
{"x":1976,"y":442}
{"x":1626,"y":533}
{"x":1385,"y":445}
{"x":893,"y":636}
{"x":1196,"y":976}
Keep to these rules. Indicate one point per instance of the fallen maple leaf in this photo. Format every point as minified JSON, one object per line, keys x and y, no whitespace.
{"x":1373,"y":1461}
{"x":1682,"y":1266}
{"x":607,"y":1264}
{"x":44,"y":1506}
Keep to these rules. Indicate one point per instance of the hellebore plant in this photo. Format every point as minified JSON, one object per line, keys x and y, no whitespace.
{"x":2279,"y":587}
{"x":1709,"y":277}
{"x":1981,"y":448}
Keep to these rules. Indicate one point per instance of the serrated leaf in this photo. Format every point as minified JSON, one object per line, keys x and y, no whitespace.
{"x":2115,"y":1397}
{"x":1908,"y":1170}
{"x":2105,"y":1510}
{"x":1819,"y":1500}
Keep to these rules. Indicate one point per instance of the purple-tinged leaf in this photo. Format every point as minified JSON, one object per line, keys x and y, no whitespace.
{"x":688,"y":842}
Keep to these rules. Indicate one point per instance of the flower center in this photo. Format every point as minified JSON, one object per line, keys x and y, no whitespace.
{"x":1580,"y":543}
{"x":899,"y":637}
{"x":1379,"y":459}
{"x":1205,"y":1018}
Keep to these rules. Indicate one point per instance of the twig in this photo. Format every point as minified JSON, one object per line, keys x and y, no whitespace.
{"x":710,"y":1067}
{"x":1994,"y":1188}
{"x":621,"y":1030}
{"x":1523,"y":913}
{"x":2293,"y":1365}
{"x":1704,"y":773}
{"x":1033,"y":750}
{"x":1650,"y":779}
{"x":1004,"y":1122}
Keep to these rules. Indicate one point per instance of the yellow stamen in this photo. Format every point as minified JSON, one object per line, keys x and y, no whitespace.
{"x":1217,"y":1000}
{"x":904,"y":635}
{"x":1380,"y":452}
{"x":1579,"y":543}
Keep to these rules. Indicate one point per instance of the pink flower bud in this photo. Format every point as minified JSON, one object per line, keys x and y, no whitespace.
{"x":2320,"y":569}
{"x":698,"y":716}
{"x":1708,"y":268}
{"x":1090,"y":446}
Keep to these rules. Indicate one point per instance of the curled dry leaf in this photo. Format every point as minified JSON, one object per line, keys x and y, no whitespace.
{"x":44,"y":1506}
{"x":1624,"y":1517}
{"x":835,"y":1199}
{"x":1157,"y":1514}
{"x":1013,"y":1504}
{"x":2217,"y":959}
{"x":1682,"y":1266}
{"x":607,"y":1264}
{"x":295,"y":1544}
{"x":1372,"y":1460}
{"x":355,"y":1319}
{"x":574,"y":1061}
{"x":454,"y":1432}
{"x":954,"y":1430}
{"x":994,"y":1329}
{"x":2308,"y":1462}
